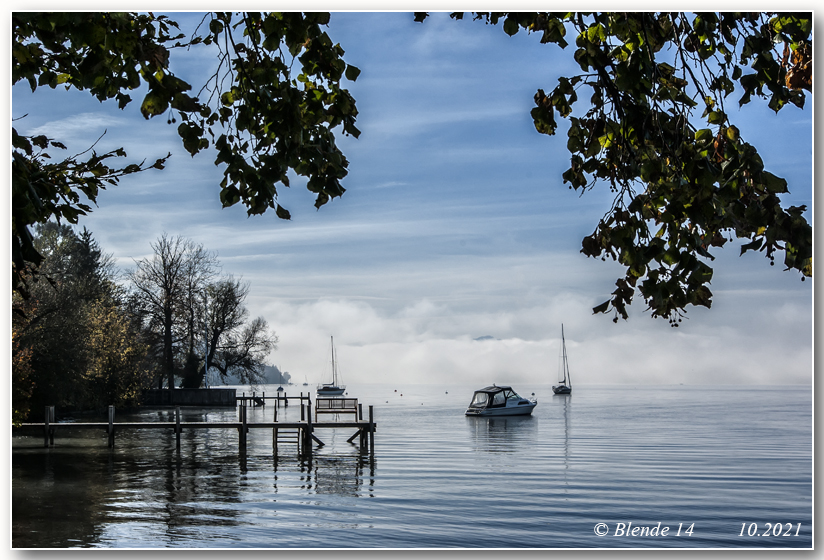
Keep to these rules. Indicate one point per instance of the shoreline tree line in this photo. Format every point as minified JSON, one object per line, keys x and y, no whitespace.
{"x":88,"y":335}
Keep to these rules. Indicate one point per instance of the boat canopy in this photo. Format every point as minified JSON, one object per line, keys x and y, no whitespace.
{"x":495,"y":395}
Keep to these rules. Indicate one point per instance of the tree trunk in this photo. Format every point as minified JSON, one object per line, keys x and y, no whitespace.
{"x":168,"y":355}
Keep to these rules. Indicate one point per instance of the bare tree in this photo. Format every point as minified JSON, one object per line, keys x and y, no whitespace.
{"x":165,"y":284}
{"x":235,"y":347}
{"x":201,"y":267}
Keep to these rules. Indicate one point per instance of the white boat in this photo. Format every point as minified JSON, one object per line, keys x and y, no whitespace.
{"x":499,"y":401}
{"x":334,"y":388}
{"x":565,"y":385}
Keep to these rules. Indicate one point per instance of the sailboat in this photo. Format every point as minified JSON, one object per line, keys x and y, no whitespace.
{"x":332,"y":389}
{"x":565,"y":386}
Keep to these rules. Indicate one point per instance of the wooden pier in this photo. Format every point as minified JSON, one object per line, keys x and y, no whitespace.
{"x":301,"y":433}
{"x":281,"y":399}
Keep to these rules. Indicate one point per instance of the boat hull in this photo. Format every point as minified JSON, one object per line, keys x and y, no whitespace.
{"x":561,"y":389}
{"x":330,"y":391}
{"x":520,"y":410}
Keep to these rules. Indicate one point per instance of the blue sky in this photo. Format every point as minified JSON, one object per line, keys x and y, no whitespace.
{"x":455,"y":225}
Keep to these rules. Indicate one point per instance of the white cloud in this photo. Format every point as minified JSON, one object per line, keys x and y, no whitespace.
{"x":430,"y":343}
{"x":84,"y":125}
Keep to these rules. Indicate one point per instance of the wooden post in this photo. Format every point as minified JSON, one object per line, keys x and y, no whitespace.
{"x":309,"y":430}
{"x":360,"y":411}
{"x":301,"y":411}
{"x":52,"y":428}
{"x":363,"y":441}
{"x":371,"y":433}
{"x":275,"y":432}
{"x":285,"y":399}
{"x":177,"y":426}
{"x":111,"y":425}
{"x":46,"y":429}
{"x":243,"y":427}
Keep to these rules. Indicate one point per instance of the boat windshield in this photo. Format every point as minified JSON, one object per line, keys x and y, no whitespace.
{"x":512,"y":395}
{"x":479,"y":399}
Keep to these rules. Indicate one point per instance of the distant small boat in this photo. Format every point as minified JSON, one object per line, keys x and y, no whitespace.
{"x":332,"y":389}
{"x":499,"y":401}
{"x":280,"y":389}
{"x":565,"y":386}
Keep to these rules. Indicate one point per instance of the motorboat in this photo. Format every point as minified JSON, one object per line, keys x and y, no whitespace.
{"x":499,"y":400}
{"x":564,"y":387}
{"x":332,"y":389}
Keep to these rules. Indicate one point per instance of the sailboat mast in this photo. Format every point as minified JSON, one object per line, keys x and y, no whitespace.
{"x":334,"y":373}
{"x":563,"y":354}
{"x":566,"y":363}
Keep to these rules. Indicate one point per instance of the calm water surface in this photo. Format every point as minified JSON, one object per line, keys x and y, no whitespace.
{"x":721,"y":462}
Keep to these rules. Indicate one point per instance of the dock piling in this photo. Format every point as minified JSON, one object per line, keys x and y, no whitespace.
{"x":177,"y":427}
{"x":243,"y":428}
{"x":53,"y":427}
{"x":309,"y":429}
{"x":275,"y":432}
{"x":371,"y":433}
{"x":46,"y":428}
{"x":111,"y":425}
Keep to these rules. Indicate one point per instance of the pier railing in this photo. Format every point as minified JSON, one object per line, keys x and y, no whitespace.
{"x":301,"y":432}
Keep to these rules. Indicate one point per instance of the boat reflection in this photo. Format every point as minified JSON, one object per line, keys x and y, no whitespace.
{"x":567,"y":414}
{"x":502,"y":434}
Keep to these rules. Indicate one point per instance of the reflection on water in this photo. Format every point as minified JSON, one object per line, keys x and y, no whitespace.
{"x":501,"y":434}
{"x":81,"y":493}
{"x":341,"y":475}
{"x":439,"y":478}
{"x":567,"y":413}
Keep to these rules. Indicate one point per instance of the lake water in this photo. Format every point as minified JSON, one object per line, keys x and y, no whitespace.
{"x":714,"y":465}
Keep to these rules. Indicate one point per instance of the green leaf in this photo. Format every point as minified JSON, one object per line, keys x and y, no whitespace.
{"x":754,"y":246}
{"x":154,"y":104}
{"x":510,"y":26}
{"x":703,"y":136}
{"x":601,"y":308}
{"x":352,"y":73}
{"x":772,"y":183}
{"x":283,"y":213}
{"x":716,"y":117}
